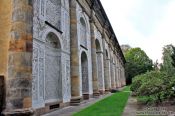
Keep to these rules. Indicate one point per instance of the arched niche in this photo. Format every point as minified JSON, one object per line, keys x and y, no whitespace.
{"x":84,"y":73}
{"x":53,"y":79}
{"x":52,"y":41}
{"x":106,"y":54}
{"x":83,"y":32}
{"x":98,"y":47}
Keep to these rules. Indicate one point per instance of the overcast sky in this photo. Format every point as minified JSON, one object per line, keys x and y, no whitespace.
{"x":149,"y":24}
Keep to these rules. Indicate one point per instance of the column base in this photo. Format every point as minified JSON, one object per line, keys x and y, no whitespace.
{"x":107,"y":91}
{"x":96,"y":94}
{"x":102,"y":92}
{"x":75,"y":101}
{"x":86,"y":96}
{"x":114,"y":90}
{"x":19,"y":112}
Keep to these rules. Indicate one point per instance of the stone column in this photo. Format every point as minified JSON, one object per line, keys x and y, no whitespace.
{"x":94,"y":56}
{"x":123,"y":77}
{"x":19,"y":80}
{"x":116,"y":76}
{"x":106,"y":62}
{"x":74,"y":58}
{"x":118,"y":73}
{"x":114,"y":73}
{"x":100,"y":72}
{"x":107,"y":75}
{"x":113,"y":83}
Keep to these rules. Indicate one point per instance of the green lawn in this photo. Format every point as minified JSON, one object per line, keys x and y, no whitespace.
{"x":110,"y":106}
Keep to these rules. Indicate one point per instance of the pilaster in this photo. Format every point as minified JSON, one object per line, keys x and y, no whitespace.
{"x":19,"y":81}
{"x":74,"y":57}
{"x":94,"y":56}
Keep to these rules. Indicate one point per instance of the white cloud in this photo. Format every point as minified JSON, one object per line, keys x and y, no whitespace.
{"x":161,"y":23}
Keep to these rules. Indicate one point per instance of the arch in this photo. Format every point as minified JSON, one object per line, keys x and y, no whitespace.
{"x":83,"y":32}
{"x":107,"y":56}
{"x":84,"y":73}
{"x":53,"y":41}
{"x":53,"y":79}
{"x":57,"y":35}
{"x":98,"y":47}
{"x":82,"y":22}
{"x":86,"y":20}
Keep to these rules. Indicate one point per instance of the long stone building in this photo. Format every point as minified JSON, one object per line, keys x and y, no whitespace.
{"x":55,"y":53}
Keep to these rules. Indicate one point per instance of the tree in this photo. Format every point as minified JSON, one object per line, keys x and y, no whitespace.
{"x":125,"y":48}
{"x":137,"y":62}
{"x":168,"y":61}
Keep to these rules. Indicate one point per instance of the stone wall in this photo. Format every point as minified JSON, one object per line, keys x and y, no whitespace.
{"x":18,"y":34}
{"x":5,"y":35}
{"x":56,"y":52}
{"x":51,"y":16}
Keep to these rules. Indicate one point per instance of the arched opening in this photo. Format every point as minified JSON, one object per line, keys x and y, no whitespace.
{"x":99,"y":65}
{"x":84,"y":73}
{"x":53,"y":80}
{"x":106,"y":54}
{"x":98,"y":47}
{"x":52,"y":41}
{"x":83,"y":36}
{"x":107,"y":71}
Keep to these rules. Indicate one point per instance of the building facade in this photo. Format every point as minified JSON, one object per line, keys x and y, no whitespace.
{"x":55,"y":53}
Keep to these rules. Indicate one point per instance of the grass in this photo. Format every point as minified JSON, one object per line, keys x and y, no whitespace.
{"x":110,"y":106}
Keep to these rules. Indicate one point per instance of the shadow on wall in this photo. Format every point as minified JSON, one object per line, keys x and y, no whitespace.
{"x":2,"y":93}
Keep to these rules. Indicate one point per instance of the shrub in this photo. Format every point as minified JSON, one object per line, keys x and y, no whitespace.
{"x":153,"y":87}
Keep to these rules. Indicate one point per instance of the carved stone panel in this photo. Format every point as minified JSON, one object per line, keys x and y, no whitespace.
{"x":66,"y":82}
{"x":38,"y":75}
{"x":35,"y":74}
{"x":53,"y":80}
{"x":53,"y":12}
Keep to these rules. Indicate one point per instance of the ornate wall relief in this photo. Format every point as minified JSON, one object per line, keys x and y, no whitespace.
{"x":38,"y":76}
{"x":53,"y":12}
{"x":53,"y":79}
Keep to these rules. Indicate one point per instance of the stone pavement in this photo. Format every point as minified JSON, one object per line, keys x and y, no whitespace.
{"x":68,"y":111}
{"x":131,"y":107}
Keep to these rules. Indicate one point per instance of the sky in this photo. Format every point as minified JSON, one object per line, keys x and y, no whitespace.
{"x":148,"y":24}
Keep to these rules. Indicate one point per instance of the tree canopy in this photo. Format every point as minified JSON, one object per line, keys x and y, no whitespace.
{"x":137,"y":62}
{"x":168,"y":56}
